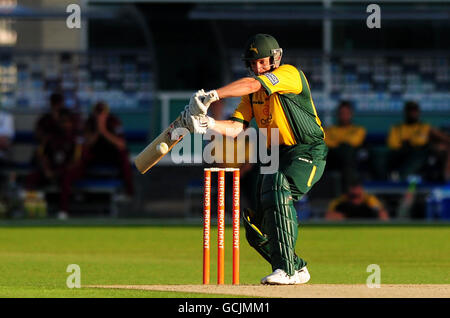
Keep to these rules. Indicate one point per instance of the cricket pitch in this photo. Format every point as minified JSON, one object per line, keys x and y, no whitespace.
{"x":301,"y":291}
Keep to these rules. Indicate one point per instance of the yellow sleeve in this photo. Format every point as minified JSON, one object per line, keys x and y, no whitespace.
{"x":373,"y":202}
{"x":356,"y":137}
{"x":244,"y":111}
{"x":283,"y":80}
{"x":334,"y":203}
{"x":394,"y":138}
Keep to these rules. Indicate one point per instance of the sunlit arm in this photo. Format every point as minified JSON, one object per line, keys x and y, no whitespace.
{"x":241,"y":87}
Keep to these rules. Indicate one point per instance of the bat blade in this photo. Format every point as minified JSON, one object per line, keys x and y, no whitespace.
{"x":150,"y":155}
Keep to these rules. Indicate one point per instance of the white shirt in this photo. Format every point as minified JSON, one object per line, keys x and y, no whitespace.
{"x":6,"y":125}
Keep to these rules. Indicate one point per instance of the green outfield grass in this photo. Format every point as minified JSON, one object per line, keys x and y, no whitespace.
{"x":33,"y":260}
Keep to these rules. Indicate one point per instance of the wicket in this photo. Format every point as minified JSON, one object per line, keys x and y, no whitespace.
{"x":220,"y":224}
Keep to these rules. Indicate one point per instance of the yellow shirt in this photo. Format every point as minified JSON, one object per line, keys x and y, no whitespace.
{"x":352,"y":134}
{"x":417,"y":135}
{"x":283,"y":88}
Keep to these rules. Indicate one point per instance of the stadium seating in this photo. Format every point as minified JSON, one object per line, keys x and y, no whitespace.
{"x":124,"y":80}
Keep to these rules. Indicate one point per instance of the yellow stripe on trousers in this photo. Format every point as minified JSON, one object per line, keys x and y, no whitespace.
{"x":311,"y":176}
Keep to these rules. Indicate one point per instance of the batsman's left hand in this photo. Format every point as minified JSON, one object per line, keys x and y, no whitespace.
{"x":196,"y":106}
{"x":200,"y":101}
{"x":210,"y":97}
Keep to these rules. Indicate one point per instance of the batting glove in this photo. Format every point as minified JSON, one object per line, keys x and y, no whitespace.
{"x":196,"y":106}
{"x":196,"y":124}
{"x":200,"y":101}
{"x":205,"y":123}
{"x":211,"y":97}
{"x":202,"y":123}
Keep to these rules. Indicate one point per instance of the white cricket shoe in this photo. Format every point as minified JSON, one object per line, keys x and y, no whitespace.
{"x":302,"y":275}
{"x":279,"y":277}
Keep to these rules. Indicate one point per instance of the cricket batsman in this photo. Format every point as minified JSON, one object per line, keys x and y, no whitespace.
{"x":276,"y":96}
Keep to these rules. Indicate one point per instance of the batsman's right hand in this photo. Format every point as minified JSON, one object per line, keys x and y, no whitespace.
{"x":196,"y":124}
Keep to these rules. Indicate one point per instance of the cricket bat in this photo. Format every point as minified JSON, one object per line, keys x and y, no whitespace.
{"x":158,"y":148}
{"x":162,"y":145}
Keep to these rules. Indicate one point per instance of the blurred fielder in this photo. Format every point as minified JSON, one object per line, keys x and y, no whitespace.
{"x":277,"y":96}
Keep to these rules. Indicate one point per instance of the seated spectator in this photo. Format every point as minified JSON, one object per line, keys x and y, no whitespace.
{"x":49,"y":124}
{"x":411,"y":144}
{"x":7,"y":133}
{"x":344,"y":140}
{"x":356,"y":204}
{"x":56,"y":153}
{"x":104,"y":144}
{"x":55,"y":132}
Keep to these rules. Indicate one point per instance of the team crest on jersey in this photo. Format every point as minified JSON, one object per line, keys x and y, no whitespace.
{"x":272,"y":78}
